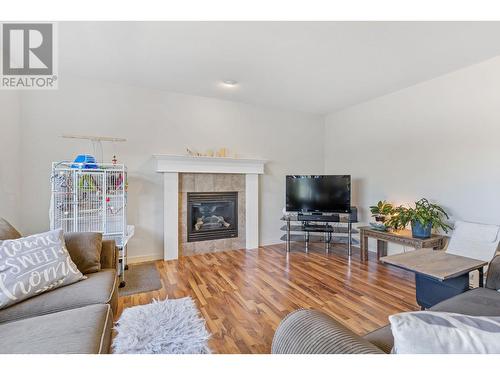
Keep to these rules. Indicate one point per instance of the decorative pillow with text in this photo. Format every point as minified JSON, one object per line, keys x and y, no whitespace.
{"x":33,"y":265}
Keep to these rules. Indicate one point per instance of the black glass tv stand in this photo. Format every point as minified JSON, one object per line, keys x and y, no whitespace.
{"x":329,"y":229}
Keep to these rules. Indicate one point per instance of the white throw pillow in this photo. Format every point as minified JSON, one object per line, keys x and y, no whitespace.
{"x":33,"y":265}
{"x":428,"y":332}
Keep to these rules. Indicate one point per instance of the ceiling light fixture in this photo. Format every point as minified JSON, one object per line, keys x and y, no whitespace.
{"x":230,"y":82}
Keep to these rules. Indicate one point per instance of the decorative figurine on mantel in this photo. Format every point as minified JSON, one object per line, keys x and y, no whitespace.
{"x":220,"y":153}
{"x":192,"y":153}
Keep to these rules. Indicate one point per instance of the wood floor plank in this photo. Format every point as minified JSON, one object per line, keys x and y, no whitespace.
{"x":244,"y":294}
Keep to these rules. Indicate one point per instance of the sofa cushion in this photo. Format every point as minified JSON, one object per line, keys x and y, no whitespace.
{"x":85,"y":330}
{"x":478,"y":302}
{"x":85,"y":250}
{"x":98,"y":288}
{"x":33,"y":265}
{"x":7,"y":231}
{"x":382,"y":338}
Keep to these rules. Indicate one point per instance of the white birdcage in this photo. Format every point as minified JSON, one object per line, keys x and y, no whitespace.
{"x":91,"y":198}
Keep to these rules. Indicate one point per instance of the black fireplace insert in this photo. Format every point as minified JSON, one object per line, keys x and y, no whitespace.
{"x":212,"y":216}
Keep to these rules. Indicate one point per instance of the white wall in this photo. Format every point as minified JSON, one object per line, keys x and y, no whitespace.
{"x":438,"y":139}
{"x":10,"y":165}
{"x":159,"y":122}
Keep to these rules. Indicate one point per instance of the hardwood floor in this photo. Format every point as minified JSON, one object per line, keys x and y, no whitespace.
{"x":244,"y":294}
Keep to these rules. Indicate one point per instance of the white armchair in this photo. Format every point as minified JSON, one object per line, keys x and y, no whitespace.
{"x":474,"y":240}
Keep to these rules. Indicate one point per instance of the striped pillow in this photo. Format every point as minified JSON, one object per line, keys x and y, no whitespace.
{"x":428,"y":332}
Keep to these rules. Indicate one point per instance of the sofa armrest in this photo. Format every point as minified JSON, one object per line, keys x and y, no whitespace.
{"x":109,"y":254}
{"x":493,"y":274}
{"x":312,"y":332}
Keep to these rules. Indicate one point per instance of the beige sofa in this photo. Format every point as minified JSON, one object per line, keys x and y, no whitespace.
{"x":77,"y":318}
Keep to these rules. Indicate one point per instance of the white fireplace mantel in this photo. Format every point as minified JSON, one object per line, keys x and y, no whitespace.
{"x":202,"y":164}
{"x":172,"y":165}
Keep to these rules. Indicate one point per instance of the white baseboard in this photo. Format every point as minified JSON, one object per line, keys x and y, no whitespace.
{"x":152,"y":257}
{"x":143,"y":258}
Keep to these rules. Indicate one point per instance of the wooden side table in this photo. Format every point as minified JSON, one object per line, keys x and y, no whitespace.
{"x":438,"y":275}
{"x":401,"y":237}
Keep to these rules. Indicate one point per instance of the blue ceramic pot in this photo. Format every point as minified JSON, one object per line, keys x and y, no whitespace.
{"x":420,"y":231}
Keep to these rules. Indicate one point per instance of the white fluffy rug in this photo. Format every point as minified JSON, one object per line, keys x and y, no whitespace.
{"x":172,"y":326}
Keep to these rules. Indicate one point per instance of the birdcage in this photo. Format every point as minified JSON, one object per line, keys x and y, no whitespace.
{"x":91,"y":197}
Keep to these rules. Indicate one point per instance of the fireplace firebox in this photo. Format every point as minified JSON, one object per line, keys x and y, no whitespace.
{"x":212,"y":216}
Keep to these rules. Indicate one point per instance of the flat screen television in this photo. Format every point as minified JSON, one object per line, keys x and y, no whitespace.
{"x":318,"y":194}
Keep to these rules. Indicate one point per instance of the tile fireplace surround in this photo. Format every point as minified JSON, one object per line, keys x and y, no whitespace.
{"x":209,"y":183}
{"x":182,"y":174}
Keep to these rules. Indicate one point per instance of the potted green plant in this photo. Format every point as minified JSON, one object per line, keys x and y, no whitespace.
{"x":381,"y":211}
{"x":423,"y":218}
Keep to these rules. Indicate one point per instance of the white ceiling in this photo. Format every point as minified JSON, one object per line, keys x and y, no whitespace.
{"x":315,"y":67}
